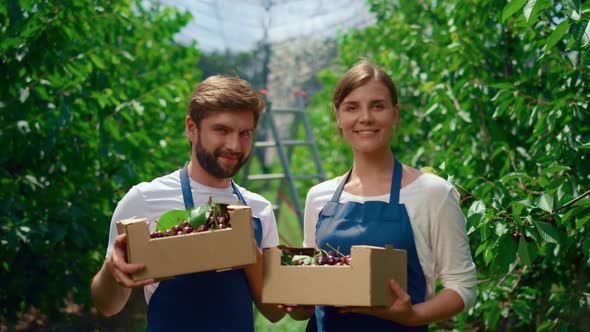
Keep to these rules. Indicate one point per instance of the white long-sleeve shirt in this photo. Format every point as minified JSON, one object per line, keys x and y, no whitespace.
{"x":438,"y":225}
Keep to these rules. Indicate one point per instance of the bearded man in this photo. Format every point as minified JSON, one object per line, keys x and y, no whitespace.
{"x":222,"y":115}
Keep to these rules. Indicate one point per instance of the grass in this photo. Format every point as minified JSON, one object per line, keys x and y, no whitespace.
{"x":287,"y":324}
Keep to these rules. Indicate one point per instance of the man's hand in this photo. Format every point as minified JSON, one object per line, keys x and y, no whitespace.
{"x":298,"y":312}
{"x":122,"y":271}
{"x":400,"y":311}
{"x":111,"y":286}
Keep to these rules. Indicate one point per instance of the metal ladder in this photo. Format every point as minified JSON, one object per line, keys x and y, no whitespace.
{"x":268,"y":136}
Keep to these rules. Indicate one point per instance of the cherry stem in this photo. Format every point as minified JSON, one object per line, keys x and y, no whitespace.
{"x":336,"y":250}
{"x":216,"y":207}
{"x":318,"y":252}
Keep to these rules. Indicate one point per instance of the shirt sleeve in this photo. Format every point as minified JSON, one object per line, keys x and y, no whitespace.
{"x":270,"y":234}
{"x":313,"y":205}
{"x":453,"y":262}
{"x":131,"y":205}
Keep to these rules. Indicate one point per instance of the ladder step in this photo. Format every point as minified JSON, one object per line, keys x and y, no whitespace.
{"x":303,"y":177}
{"x":275,"y":176}
{"x":266,"y":176}
{"x":270,"y":144}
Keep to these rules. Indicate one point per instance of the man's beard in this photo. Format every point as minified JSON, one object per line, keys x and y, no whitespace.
{"x":208,"y":161}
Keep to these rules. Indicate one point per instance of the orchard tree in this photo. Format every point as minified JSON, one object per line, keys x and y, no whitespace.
{"x":494,"y":96}
{"x":244,"y":64}
{"x":93,"y":101}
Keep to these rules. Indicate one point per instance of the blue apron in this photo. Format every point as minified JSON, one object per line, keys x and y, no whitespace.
{"x":203,"y":301}
{"x":343,"y":225}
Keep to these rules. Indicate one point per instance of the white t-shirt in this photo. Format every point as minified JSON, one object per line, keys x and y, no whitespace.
{"x":438,"y":225}
{"x":152,"y":199}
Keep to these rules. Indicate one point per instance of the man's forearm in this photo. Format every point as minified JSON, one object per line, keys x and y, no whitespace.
{"x":254,"y":275}
{"x":109,"y":298}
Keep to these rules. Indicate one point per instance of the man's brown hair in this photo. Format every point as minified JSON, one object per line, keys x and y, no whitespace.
{"x":225,"y":93}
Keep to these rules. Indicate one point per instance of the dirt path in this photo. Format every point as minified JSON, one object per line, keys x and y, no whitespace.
{"x":130,"y":319}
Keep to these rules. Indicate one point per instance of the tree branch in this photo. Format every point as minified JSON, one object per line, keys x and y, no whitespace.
{"x":509,"y":272}
{"x":572,"y":201}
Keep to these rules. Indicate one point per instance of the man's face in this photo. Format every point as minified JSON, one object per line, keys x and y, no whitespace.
{"x":224,"y":142}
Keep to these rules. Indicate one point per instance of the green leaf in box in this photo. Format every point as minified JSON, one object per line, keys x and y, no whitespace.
{"x":196,"y":217}
{"x":172,"y":218}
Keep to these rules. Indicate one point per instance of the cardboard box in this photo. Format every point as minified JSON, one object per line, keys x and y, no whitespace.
{"x":196,"y":252}
{"x":362,"y":283}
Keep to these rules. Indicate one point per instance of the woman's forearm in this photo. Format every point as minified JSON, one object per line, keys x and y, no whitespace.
{"x":446,"y":304}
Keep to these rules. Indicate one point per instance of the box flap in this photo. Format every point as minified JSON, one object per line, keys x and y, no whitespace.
{"x":121,"y":224}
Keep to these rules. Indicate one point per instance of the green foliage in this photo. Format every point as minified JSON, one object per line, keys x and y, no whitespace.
{"x":494,"y":96}
{"x":93,"y":102}
{"x":247,"y":65}
{"x":286,"y":324}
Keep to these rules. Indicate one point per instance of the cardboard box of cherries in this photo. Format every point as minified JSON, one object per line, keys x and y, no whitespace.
{"x":214,"y":236}
{"x":332,"y":278}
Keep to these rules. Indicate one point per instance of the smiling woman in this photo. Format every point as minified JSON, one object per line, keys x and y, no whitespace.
{"x":380,"y":202}
{"x":366,"y":118}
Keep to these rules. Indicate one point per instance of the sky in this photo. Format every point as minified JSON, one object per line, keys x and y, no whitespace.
{"x":237,"y":25}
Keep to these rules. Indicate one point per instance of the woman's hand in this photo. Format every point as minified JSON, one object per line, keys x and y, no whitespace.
{"x":298,"y":312}
{"x":400,"y":311}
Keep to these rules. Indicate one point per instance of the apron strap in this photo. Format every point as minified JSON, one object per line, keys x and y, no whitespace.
{"x":396,"y":184}
{"x":185,"y":184}
{"x":237,"y":192}
{"x":255,"y":220}
{"x":338,"y":191}
{"x":187,"y":195}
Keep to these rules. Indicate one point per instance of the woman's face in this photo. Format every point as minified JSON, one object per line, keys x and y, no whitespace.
{"x":367,"y":117}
